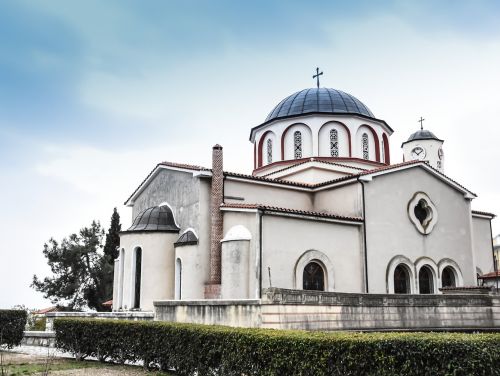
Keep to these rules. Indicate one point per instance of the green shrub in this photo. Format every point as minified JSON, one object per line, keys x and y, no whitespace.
{"x":209,"y":350}
{"x":12,"y":324}
{"x":38,"y":324}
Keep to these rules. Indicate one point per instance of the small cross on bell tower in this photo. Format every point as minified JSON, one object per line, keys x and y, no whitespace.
{"x":421,"y":121}
{"x":316,"y":76}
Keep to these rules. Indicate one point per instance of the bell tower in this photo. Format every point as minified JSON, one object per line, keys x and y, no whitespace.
{"x":425,"y":146}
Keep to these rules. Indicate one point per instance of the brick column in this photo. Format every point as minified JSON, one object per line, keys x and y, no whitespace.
{"x":212,"y":289}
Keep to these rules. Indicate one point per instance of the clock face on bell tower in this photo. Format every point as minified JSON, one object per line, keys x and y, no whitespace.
{"x":418,"y":153}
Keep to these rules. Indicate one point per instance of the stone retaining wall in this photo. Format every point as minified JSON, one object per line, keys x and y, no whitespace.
{"x":44,"y":339}
{"x":127,"y":315}
{"x":298,"y":309}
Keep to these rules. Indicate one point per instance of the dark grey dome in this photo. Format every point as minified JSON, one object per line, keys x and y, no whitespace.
{"x":157,"y":218}
{"x":188,"y":238}
{"x":422,"y":134}
{"x":319,"y":100}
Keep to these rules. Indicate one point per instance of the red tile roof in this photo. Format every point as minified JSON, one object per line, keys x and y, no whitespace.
{"x":291,"y":211}
{"x":268,"y":180}
{"x":186,"y":166}
{"x":264,"y":179}
{"x":47,"y":310}
{"x":490,"y":275}
{"x":313,"y":159}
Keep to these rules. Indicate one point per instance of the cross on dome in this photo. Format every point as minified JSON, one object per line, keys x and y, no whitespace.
{"x":316,"y":76}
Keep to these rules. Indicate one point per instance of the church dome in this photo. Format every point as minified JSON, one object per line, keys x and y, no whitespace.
{"x":319,"y":100}
{"x":157,"y":218}
{"x":422,"y":134}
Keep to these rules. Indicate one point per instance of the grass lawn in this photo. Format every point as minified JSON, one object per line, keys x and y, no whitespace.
{"x":22,"y":364}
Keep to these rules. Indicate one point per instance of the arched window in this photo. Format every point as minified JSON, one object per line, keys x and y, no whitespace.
{"x":120,"y":278}
{"x":401,"y":280}
{"x":448,"y":277}
{"x":297,"y":144}
{"x":334,"y":143}
{"x":383,"y":151}
{"x":137,"y":279}
{"x":269,"y":150}
{"x":366,"y":151}
{"x":425,"y":280}
{"x":313,"y":277}
{"x":178,"y":279}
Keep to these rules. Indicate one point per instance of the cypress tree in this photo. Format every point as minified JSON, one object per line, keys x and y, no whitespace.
{"x":113,"y":238}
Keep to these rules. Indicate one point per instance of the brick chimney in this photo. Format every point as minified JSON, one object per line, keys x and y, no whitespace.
{"x":212,"y":289}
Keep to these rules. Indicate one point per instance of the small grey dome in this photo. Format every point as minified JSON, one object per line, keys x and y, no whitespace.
{"x":157,"y":218}
{"x":319,"y":100}
{"x":422,"y":134}
{"x":188,"y":238}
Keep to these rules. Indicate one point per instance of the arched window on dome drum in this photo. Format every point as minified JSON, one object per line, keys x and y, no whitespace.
{"x":269,"y":146}
{"x":137,"y":279}
{"x":401,"y":280}
{"x":297,"y":145}
{"x":313,"y":277}
{"x":334,"y":143}
{"x":426,"y":280}
{"x":364,"y":142}
{"x":448,"y":277}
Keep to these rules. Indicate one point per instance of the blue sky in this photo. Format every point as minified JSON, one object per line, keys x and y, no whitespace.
{"x":93,"y":94}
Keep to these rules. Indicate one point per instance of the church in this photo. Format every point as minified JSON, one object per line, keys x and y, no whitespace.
{"x":323,"y":210}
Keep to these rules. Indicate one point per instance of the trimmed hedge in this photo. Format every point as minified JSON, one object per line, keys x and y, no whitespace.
{"x":209,"y":350}
{"x":12,"y":324}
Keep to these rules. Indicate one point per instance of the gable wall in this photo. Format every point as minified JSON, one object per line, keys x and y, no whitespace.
{"x":390,"y":231}
{"x":182,"y":192}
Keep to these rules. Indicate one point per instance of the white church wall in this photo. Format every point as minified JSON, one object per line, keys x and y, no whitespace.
{"x":157,"y":267}
{"x":192,"y":274}
{"x":253,"y":193}
{"x":483,"y":252}
{"x":345,"y":200}
{"x":286,"y":239}
{"x":389,"y":231}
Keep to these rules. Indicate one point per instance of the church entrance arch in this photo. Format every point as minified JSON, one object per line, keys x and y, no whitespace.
{"x":313,"y":277}
{"x":314,"y":271}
